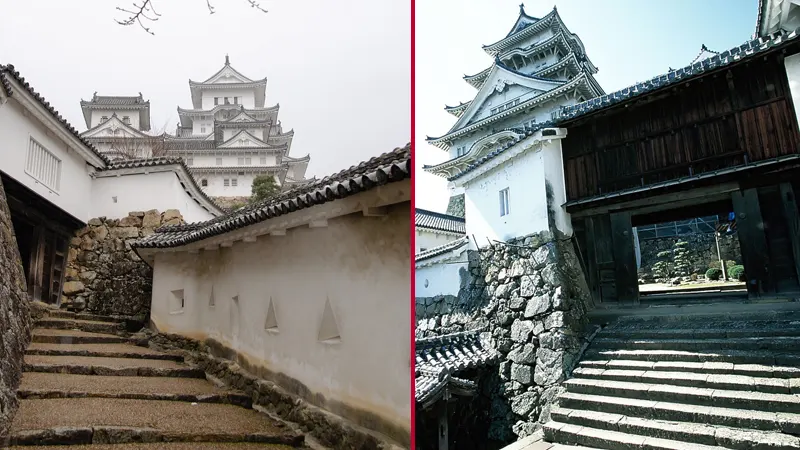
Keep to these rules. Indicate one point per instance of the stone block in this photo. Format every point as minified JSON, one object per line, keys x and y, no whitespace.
{"x":171,"y":214}
{"x":521,"y":330}
{"x":525,"y":354}
{"x":73,"y":288}
{"x":537,"y":306}
{"x":521,"y":373}
{"x":125,"y":232}
{"x":130,"y":221}
{"x":524,"y":404}
{"x":151,"y":219}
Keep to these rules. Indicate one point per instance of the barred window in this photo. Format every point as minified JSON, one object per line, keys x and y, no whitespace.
{"x":44,"y":166}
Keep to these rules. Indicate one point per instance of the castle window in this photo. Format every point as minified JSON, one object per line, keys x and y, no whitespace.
{"x":204,"y":182}
{"x":240,"y":161}
{"x":504,"y":202}
{"x":216,"y":100}
{"x":189,"y":161}
{"x":226,"y":182}
{"x":248,"y":161}
{"x":219,"y":161}
{"x":227,"y":101}
{"x":103,"y":119}
{"x":234,"y":182}
{"x":263,"y":161}
{"x":461,"y":150}
{"x":202,"y":129}
{"x":126,"y":120}
{"x":235,"y":100}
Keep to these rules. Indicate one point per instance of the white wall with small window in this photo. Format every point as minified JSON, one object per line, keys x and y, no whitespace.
{"x":232,"y":96}
{"x":34,"y":156}
{"x":98,"y":116}
{"x":235,"y":184}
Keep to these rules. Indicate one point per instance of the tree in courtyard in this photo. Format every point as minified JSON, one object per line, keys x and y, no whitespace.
{"x":143,"y":11}
{"x":680,"y":259}
{"x":264,"y":187}
{"x":663,"y":268}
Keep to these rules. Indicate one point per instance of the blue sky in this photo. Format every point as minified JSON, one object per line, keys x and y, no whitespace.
{"x":628,"y":40}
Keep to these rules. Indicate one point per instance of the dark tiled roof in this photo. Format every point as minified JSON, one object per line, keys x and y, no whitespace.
{"x":9,"y":71}
{"x":439,"y":358}
{"x":163,"y":161}
{"x":723,"y":59}
{"x":745,"y":51}
{"x":438,"y":221}
{"x":442,"y":249}
{"x":387,"y":168}
{"x":116,"y":100}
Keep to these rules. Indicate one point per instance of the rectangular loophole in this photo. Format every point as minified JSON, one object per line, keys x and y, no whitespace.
{"x":177,"y":300}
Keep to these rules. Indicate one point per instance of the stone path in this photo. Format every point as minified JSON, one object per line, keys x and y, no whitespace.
{"x":694,"y":383}
{"x":85,"y":387}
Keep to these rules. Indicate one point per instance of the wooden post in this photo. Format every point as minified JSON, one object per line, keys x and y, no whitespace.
{"x":444,"y":433}
{"x":752,"y":241}
{"x":591,"y":262}
{"x":627,"y":282}
{"x":719,"y":257}
{"x":792,"y":216}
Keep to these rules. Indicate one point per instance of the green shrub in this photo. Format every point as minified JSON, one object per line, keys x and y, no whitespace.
{"x":714,"y":265}
{"x":713,"y":274}
{"x":737,"y":273}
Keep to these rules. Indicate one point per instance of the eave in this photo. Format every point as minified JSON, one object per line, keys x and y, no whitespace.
{"x":187,"y":116}
{"x":478,"y":79}
{"x":443,"y":142}
{"x":196,"y":89}
{"x":457,"y":110}
{"x":456,"y":165}
{"x":245,"y":169}
{"x":512,"y":39}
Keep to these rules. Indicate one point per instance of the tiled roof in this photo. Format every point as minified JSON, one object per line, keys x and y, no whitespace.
{"x":439,"y":358}
{"x":726,"y":58}
{"x":438,"y":221}
{"x":387,"y":168}
{"x":163,"y":161}
{"x":442,"y":249}
{"x":745,"y":51}
{"x":9,"y":71}
{"x":116,"y":100}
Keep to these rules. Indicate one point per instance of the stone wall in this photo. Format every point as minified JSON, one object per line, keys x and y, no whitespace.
{"x":455,"y":207}
{"x":104,"y":275}
{"x":702,"y":250}
{"x":14,"y":318}
{"x":531,"y":299}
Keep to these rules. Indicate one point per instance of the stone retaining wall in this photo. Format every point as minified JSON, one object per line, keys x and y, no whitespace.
{"x":702,"y":250}
{"x":530,"y":297}
{"x":14,"y":318}
{"x":328,"y":429}
{"x":104,"y":275}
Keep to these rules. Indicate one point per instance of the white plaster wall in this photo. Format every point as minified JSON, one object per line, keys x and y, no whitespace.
{"x":554,"y":176}
{"x":258,"y":133}
{"x":115,"y":197}
{"x":16,"y":130}
{"x":230,"y":158}
{"x":792,"y":64}
{"x":248,"y":97}
{"x":216,"y":184}
{"x":524,"y":176}
{"x":428,"y":239}
{"x":361,"y":264}
{"x":440,"y":279}
{"x":97,"y":114}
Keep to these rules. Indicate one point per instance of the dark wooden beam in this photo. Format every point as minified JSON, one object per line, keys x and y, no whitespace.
{"x":624,"y":258}
{"x":591,"y":262}
{"x":752,"y":242}
{"x":792,"y":215}
{"x":444,"y":432}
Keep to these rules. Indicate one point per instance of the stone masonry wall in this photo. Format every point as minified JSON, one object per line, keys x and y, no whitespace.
{"x":531,"y":300}
{"x":455,"y":206}
{"x":14,"y":318}
{"x":104,"y":275}
{"x":702,"y":250}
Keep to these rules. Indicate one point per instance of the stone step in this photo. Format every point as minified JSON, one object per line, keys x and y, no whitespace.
{"x":77,"y":421}
{"x":49,"y":336}
{"x":708,"y":367}
{"x":778,"y":344}
{"x":678,"y":431}
{"x":729,"y":356}
{"x":100,"y":350}
{"x":57,"y":385}
{"x":613,"y":440}
{"x":90,"y":365}
{"x":701,"y":333}
{"x":663,"y":410}
{"x":172,"y":446}
{"x":693,"y":379}
{"x":724,"y":398}
{"x":62,"y":314}
{"x":727,"y":312}
{"x":83,"y":325}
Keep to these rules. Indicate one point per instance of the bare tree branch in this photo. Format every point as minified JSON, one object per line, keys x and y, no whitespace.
{"x":146,"y":11}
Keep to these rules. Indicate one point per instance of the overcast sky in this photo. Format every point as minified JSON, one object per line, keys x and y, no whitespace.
{"x":339,"y":69}
{"x":628,"y":40}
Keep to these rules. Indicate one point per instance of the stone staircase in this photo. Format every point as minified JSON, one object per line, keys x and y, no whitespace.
{"x":87,"y":386}
{"x":714,"y":381}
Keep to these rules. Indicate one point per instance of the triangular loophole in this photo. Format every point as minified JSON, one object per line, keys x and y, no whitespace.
{"x":271,"y":324}
{"x":329,"y":330}
{"x":211,"y":301}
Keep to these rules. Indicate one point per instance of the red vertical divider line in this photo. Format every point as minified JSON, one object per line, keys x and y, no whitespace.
{"x":413,"y":243}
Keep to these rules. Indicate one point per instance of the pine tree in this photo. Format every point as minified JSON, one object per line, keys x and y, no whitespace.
{"x":680,"y":259}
